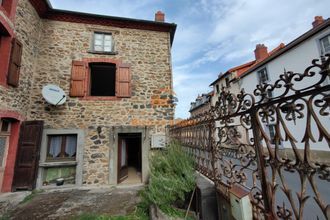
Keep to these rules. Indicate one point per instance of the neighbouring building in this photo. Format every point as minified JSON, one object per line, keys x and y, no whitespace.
{"x":117,"y":76}
{"x":296,"y":56}
{"x":201,"y":105}
{"x":228,"y":82}
{"x":267,"y":68}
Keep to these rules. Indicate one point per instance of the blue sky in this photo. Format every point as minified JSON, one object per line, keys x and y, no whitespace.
{"x":213,"y":35}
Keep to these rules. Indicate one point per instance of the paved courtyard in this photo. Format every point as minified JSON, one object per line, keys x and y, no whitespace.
{"x":69,"y":203}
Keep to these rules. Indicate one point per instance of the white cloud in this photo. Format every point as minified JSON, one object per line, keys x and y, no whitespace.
{"x":188,"y":86}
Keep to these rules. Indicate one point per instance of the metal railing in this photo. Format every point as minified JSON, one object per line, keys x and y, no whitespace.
{"x":271,"y":146}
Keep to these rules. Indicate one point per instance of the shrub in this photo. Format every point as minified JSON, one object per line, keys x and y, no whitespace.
{"x":172,"y":177}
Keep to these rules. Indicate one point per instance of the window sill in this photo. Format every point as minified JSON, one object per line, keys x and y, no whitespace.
{"x":58,"y":163}
{"x":102,"y":52}
{"x":101,"y":98}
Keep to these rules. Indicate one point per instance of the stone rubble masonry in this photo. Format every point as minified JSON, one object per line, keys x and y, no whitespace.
{"x":48,"y":50}
{"x":27,"y":30}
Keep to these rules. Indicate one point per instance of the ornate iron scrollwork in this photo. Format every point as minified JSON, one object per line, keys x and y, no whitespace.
{"x":233,"y":139}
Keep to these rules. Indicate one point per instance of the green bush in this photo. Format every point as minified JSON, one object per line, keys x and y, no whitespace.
{"x":172,"y":177}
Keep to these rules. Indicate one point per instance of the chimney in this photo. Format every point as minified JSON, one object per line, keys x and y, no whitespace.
{"x":160,"y":16}
{"x":317,"y":21}
{"x":260,"y":52}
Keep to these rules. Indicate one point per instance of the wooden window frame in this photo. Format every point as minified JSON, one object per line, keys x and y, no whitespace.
{"x":63,"y":145}
{"x":5,"y":134}
{"x":92,"y":47}
{"x":89,"y":81}
{"x":9,"y":8}
{"x":119,"y":65}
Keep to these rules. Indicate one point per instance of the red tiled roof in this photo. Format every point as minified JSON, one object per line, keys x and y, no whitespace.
{"x":284,"y":48}
{"x":242,"y":69}
{"x":256,"y":62}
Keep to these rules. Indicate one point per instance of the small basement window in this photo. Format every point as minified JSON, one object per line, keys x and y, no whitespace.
{"x":102,"y":79}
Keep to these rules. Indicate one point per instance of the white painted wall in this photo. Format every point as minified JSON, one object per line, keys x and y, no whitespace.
{"x":297,"y":60}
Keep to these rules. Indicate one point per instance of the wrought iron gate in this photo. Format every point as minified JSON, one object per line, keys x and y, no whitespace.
{"x":275,"y":143}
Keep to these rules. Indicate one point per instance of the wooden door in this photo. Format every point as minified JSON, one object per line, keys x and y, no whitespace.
{"x":27,"y":158}
{"x":122,"y":160}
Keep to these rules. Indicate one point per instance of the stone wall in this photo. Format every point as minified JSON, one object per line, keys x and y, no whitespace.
{"x":27,"y":30}
{"x":148,"y":53}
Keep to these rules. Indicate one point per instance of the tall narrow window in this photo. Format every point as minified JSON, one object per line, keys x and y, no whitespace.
{"x":325,"y":45}
{"x":102,"y":79}
{"x":217,"y":88}
{"x":103,"y":42}
{"x":263,"y":75}
{"x":227,"y":82}
{"x":272,"y":133}
{"x":4,"y":136}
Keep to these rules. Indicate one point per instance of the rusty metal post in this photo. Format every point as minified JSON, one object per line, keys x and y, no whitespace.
{"x":261,"y":164}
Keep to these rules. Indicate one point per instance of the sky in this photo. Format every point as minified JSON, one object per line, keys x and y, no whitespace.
{"x":213,"y":35}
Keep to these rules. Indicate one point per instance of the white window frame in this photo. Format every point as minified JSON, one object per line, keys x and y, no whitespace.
{"x":259,"y":75}
{"x":103,"y":35}
{"x":323,"y":52}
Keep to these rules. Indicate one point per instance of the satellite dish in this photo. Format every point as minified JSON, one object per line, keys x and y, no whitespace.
{"x":53,"y":94}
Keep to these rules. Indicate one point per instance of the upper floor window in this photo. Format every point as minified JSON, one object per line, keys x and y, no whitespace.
{"x":227,"y":82}
{"x":103,"y":42}
{"x":263,"y":75}
{"x":325,"y":44}
{"x":217,"y":88}
{"x":102,"y":79}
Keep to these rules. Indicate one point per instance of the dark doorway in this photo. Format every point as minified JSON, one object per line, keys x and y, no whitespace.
{"x":27,"y":158}
{"x":102,"y":79}
{"x":129,"y":158}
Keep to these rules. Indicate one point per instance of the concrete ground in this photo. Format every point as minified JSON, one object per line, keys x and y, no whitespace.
{"x":69,"y":203}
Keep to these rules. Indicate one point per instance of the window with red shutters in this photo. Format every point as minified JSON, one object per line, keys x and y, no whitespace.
{"x":123,"y":81}
{"x":100,"y":79}
{"x":15,"y":63}
{"x":78,"y":79}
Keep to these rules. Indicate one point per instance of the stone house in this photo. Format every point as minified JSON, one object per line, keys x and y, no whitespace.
{"x":117,"y":76}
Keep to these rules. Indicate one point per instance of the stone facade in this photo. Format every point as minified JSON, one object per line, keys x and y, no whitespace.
{"x":27,"y":30}
{"x":50,"y":46}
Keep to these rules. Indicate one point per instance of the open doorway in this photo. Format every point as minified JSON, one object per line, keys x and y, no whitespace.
{"x":129,"y":158}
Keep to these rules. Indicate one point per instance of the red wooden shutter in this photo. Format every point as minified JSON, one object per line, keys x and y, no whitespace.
{"x":78,"y":79}
{"x":123,"y":81}
{"x":15,"y":63}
